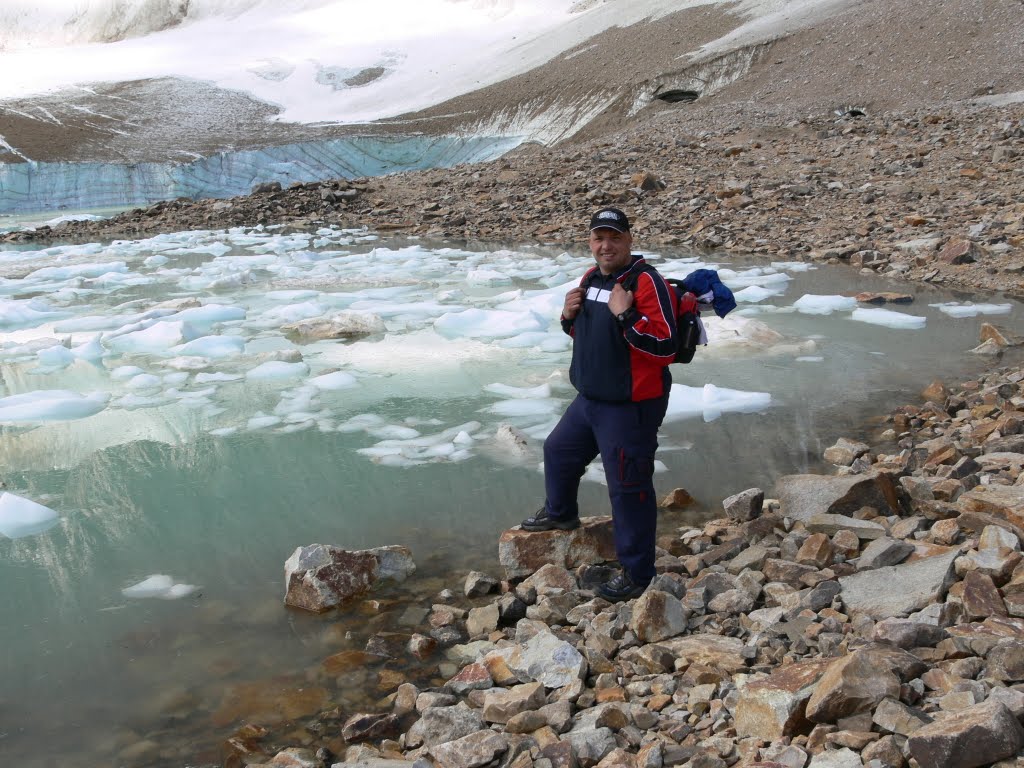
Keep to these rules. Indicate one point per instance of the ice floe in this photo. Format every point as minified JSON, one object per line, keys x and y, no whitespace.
{"x":970,"y":309}
{"x":20,"y":517}
{"x":889,"y":318}
{"x":161,"y":586}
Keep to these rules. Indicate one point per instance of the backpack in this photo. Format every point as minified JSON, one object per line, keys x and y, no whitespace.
{"x":703,"y":283}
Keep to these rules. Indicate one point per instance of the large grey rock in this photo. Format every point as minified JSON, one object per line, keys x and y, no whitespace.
{"x":438,"y":725}
{"x":658,"y":616}
{"x":744,"y":506}
{"x":979,"y":735}
{"x":319,"y":577}
{"x":548,"y":660}
{"x":872,"y":593}
{"x":470,"y":751}
{"x":523,"y":552}
{"x":803,"y":496}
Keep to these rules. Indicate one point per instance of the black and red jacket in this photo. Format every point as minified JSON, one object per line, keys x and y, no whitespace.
{"x":627,"y":362}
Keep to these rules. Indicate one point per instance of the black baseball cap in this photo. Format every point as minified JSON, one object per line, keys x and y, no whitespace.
{"x":609,"y":218}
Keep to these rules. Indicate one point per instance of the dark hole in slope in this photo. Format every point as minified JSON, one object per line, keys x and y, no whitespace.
{"x":678,"y":96}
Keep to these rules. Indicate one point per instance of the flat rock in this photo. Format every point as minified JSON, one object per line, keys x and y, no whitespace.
{"x":803,"y":496}
{"x":979,"y":735}
{"x":921,"y":582}
{"x":709,"y":650}
{"x":1003,"y":504}
{"x":830,"y":525}
{"x":523,"y":552}
{"x":774,"y":708}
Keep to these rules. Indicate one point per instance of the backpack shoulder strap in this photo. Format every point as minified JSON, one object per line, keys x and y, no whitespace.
{"x":633,"y":277}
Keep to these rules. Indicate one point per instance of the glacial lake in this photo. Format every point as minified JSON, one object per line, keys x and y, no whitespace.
{"x":177,"y":438}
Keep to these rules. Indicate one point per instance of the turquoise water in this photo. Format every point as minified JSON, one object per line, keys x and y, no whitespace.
{"x":91,"y":677}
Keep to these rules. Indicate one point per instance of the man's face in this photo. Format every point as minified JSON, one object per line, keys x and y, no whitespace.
{"x":611,"y":249}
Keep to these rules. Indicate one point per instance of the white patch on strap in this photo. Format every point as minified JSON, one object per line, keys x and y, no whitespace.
{"x":598,"y":294}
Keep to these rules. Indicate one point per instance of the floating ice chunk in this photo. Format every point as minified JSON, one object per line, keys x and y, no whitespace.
{"x":123,"y":372}
{"x":361,"y":423}
{"x":756,"y":276}
{"x":212,"y":347}
{"x":159,"y":337}
{"x":51,"y":405}
{"x":26,"y":313}
{"x":755,"y":293}
{"x":76,"y":270}
{"x":204,"y":318}
{"x":175,"y":379}
{"x":487,"y":277}
{"x":55,"y":357}
{"x":291,"y":313}
{"x":223,"y":431}
{"x":262,"y":422}
{"x":334,"y":381}
{"x":793,"y":266}
{"x":711,"y":402}
{"x":969,"y":309}
{"x":91,"y":350}
{"x":144,"y":381}
{"x":23,"y":517}
{"x":889,"y":318}
{"x":159,"y":585}
{"x":203,"y":378}
{"x":155,"y":261}
{"x":276,"y":370}
{"x":525,"y":406}
{"x":505,"y":390}
{"x":491,"y":324}
{"x":811,"y":304}
{"x":810,"y":359}
{"x":393,"y":432}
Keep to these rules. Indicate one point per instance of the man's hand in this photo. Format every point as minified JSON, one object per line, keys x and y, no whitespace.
{"x":620,"y":300}
{"x":573,"y":302}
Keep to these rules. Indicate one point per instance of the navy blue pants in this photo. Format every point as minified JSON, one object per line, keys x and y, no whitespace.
{"x":626,"y":436}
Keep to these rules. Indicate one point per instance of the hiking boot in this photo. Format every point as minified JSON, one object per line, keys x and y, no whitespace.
{"x":542,"y":522}
{"x":620,"y":588}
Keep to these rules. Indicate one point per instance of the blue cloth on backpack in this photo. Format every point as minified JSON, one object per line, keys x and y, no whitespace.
{"x":702,"y":281}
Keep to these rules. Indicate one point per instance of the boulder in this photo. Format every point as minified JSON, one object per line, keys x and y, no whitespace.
{"x":774,"y":708}
{"x":470,"y":751}
{"x":851,"y":684}
{"x":845,"y":451}
{"x":521,"y":553}
{"x":545,"y":659}
{"x":371,"y":727}
{"x":726,"y":653}
{"x":803,"y":496}
{"x":343,"y":325}
{"x":744,"y":506}
{"x":438,"y":725}
{"x":501,"y":705}
{"x":830,"y":525}
{"x":319,"y":577}
{"x":657,"y":616}
{"x":979,"y":735}
{"x":921,"y":582}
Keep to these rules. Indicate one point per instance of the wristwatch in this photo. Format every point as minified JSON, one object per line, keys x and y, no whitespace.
{"x":625,"y":318}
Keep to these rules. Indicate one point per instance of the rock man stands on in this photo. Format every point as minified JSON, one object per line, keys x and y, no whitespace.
{"x":623,"y":342}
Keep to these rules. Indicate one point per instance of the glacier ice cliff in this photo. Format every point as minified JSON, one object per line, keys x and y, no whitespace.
{"x":28,"y":187}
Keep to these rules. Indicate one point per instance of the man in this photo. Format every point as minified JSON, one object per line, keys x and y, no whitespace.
{"x":622,"y":346}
